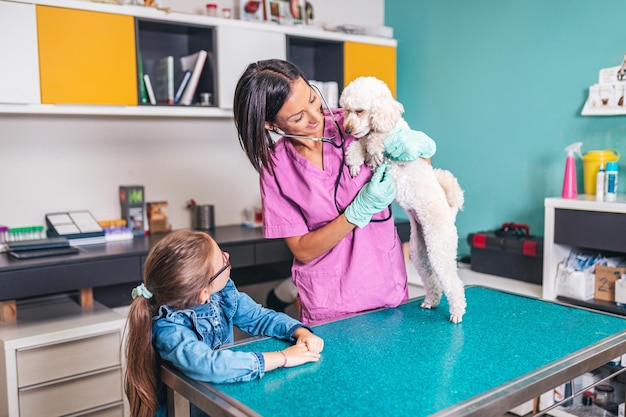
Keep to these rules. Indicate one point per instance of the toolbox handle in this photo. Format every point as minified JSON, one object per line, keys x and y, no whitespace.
{"x":513,"y":227}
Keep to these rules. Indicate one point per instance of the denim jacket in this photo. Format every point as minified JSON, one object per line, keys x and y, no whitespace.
{"x":192,"y":339}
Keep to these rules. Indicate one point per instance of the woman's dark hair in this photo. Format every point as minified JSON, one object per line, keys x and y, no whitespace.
{"x":260,"y":94}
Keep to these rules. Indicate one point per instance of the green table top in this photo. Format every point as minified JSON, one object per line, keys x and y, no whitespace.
{"x":412,"y":361}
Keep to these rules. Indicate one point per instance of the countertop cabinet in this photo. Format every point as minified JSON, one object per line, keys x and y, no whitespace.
{"x":61,"y":359}
{"x":19,"y":80}
{"x":581,"y":223}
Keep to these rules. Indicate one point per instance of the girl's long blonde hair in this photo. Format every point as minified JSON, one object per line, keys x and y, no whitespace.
{"x":177,"y":269}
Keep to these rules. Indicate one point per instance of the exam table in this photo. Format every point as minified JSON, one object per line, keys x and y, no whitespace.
{"x":410,"y":361}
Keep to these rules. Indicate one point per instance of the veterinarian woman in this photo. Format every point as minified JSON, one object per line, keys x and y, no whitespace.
{"x":347,"y":253}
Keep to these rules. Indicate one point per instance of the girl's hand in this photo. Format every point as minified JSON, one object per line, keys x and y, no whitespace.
{"x":298,"y":354}
{"x":312,"y":342}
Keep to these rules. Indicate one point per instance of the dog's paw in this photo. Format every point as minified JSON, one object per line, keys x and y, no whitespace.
{"x":354,"y":171}
{"x":429,"y":304}
{"x":456,"y":318}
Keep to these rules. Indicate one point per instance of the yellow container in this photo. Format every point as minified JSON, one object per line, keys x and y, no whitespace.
{"x":591,"y":165}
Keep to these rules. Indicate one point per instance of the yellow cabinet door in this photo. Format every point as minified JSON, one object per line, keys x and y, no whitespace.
{"x":86,"y":57}
{"x":362,"y":59}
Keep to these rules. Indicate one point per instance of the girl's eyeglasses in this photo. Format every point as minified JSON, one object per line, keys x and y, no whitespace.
{"x":222,"y":269}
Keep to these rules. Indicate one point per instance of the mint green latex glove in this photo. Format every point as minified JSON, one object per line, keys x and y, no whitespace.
{"x":404,"y":144}
{"x":374,"y":197}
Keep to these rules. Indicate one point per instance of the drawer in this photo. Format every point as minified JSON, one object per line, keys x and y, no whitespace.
{"x":72,"y":396}
{"x":590,"y":229}
{"x":66,"y":276}
{"x":114,"y":411}
{"x":274,"y":250}
{"x":240,"y":255}
{"x":60,"y":360}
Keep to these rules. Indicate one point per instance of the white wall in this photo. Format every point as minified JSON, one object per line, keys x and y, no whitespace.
{"x":58,"y":163}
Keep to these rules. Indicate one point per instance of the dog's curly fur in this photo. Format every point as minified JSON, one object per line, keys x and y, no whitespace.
{"x":430,"y":197}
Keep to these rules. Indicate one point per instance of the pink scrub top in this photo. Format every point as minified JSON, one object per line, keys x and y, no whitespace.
{"x":366,"y":269}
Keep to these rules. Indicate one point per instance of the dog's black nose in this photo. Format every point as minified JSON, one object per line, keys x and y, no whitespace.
{"x":349,"y":130}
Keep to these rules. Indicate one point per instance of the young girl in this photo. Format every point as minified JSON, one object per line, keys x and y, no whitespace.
{"x":184,"y":313}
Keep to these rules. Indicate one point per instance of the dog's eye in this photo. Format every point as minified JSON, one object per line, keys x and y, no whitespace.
{"x":359,"y":111}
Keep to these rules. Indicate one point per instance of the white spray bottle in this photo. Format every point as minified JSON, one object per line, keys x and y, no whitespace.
{"x":570,"y":189}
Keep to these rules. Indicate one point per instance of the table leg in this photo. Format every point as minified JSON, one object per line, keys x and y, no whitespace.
{"x":85,"y":297}
{"x":8,"y":311}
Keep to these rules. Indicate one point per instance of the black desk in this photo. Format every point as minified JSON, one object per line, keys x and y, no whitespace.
{"x":111,"y":269}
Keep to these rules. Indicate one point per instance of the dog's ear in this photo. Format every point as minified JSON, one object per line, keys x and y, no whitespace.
{"x":385,"y":113}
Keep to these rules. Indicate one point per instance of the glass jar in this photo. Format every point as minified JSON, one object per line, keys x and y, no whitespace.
{"x":604,"y":394}
{"x":211,"y":9}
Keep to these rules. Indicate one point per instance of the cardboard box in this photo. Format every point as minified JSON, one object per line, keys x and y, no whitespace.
{"x":158,"y":221}
{"x":605,"y":282}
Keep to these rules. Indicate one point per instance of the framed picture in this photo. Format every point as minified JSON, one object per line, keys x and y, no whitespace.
{"x":276,"y":11}
{"x":251,"y":10}
{"x":285,"y":12}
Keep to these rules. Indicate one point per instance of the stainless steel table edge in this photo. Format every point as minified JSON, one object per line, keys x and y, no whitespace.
{"x":203,"y":396}
{"x":503,"y":398}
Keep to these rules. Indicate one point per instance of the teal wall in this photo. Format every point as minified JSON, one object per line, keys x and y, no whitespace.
{"x":499,"y":85}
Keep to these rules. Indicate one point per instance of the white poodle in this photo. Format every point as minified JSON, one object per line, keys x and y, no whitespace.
{"x":430,"y":197}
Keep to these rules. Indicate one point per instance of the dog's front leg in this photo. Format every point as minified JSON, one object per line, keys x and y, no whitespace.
{"x":355,"y":157}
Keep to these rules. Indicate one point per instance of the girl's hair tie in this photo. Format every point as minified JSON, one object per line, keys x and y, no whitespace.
{"x":141,"y":290}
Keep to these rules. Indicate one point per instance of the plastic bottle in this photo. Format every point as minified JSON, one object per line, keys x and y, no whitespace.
{"x":611,"y":182}
{"x":600,"y":184}
{"x":570,"y":189}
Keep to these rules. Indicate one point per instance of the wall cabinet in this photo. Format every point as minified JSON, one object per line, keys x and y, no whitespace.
{"x":239,"y":46}
{"x":61,"y":359}
{"x":582,"y":223}
{"x":19,"y":80}
{"x":89,"y":57}
{"x":85,"y":57}
{"x":361,"y":59}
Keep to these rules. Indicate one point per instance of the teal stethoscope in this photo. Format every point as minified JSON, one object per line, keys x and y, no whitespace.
{"x":341,"y":145}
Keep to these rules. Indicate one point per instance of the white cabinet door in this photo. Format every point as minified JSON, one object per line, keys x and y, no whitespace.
{"x":238,"y":47}
{"x":19,"y":72}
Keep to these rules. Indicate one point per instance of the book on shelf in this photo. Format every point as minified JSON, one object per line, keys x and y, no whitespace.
{"x":195,"y":63}
{"x":143,"y":94}
{"x":181,"y":86}
{"x":165,"y":80}
{"x":149,"y":90}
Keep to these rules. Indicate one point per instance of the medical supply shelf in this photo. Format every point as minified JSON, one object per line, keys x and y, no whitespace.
{"x":581,"y":223}
{"x":74,"y":57}
{"x":61,"y":359}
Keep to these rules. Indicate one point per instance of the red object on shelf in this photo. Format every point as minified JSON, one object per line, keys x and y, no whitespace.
{"x":211,"y":9}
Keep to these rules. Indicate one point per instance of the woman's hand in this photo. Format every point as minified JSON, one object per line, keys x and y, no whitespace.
{"x":374,"y":197}
{"x":407,"y":145}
